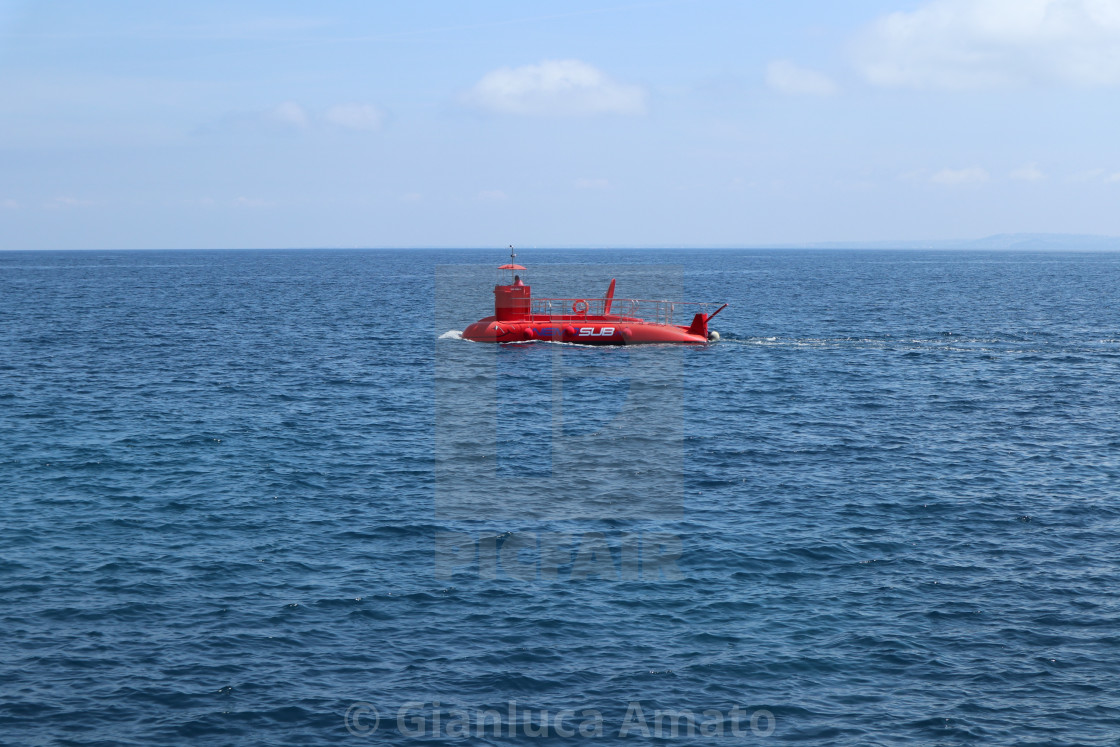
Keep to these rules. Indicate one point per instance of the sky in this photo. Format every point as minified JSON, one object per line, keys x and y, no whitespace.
{"x":232,"y":124}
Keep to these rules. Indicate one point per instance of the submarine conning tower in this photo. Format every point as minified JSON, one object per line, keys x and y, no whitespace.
{"x":512,"y":297}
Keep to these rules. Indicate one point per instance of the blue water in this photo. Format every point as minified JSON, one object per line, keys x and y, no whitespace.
{"x":228,"y":480}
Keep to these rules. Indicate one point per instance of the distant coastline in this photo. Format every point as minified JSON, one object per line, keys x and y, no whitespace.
{"x":1024,"y":241}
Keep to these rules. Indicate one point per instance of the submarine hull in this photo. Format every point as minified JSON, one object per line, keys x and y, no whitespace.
{"x":581,"y":332}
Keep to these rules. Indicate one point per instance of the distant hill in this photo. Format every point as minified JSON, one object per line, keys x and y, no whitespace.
{"x":1045,"y":241}
{"x":1023,"y":241}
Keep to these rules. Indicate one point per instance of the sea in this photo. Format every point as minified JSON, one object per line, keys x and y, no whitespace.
{"x":274,"y":498}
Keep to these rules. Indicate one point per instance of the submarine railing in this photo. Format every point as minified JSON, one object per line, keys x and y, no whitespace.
{"x":648,"y":310}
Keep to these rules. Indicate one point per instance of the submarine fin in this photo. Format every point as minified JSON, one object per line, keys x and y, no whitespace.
{"x":699,"y":325}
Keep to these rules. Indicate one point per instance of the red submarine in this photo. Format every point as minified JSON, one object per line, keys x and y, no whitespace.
{"x":518,"y":317}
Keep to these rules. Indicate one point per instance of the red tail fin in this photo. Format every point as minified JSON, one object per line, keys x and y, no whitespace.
{"x":699,"y":325}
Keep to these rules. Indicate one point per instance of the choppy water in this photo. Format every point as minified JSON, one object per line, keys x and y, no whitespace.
{"x":225,"y":477}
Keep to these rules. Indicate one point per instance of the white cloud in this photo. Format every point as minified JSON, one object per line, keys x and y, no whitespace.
{"x":9,"y":204}
{"x":1087,"y":176}
{"x":976,"y":44}
{"x":1028,"y":173}
{"x":786,"y":77}
{"x":953,"y":177}
{"x":70,"y":202}
{"x":592,"y":184}
{"x":250,"y":202}
{"x":1099,"y":176}
{"x":355,"y":116}
{"x":555,"y":87}
{"x":492,"y":195}
{"x":291,"y":114}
